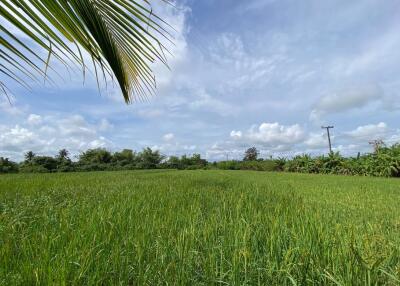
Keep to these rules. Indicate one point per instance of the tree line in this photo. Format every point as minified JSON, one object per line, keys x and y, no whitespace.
{"x":100,"y":160}
{"x":383,"y":162}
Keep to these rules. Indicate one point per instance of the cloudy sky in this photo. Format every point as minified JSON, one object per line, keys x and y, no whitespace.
{"x":264,"y":73}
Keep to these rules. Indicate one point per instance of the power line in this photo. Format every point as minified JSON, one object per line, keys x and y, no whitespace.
{"x":329,"y":136}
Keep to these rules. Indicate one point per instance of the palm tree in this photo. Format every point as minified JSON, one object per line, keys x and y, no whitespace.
{"x":29,"y":156}
{"x":122,"y":38}
{"x":63,"y":155}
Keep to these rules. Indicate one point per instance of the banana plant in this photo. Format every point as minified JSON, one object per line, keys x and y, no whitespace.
{"x":121,"y":37}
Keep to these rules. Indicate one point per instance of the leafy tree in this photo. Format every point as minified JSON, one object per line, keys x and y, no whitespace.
{"x":185,"y":162}
{"x":29,"y":156}
{"x":174,"y":162}
{"x":95,"y":156}
{"x":251,"y":154}
{"x":7,"y":166}
{"x":49,"y":163}
{"x":149,"y":159}
{"x":39,"y":164}
{"x":122,"y":38}
{"x":125,"y":157}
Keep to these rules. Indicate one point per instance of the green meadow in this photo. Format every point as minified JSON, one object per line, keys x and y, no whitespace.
{"x":198,"y":228}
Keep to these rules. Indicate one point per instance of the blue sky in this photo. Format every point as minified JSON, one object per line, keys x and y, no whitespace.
{"x":264,"y":73}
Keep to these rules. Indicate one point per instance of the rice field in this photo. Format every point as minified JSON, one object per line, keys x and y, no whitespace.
{"x":198,"y":228}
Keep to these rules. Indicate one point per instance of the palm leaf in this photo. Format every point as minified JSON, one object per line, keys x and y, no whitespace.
{"x":123,"y":37}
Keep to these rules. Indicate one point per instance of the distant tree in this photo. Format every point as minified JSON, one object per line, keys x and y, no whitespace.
{"x":197,"y":162}
{"x":185,"y":162}
{"x":39,"y":164}
{"x":149,"y":159}
{"x":95,"y":156}
{"x":124,"y":157}
{"x":251,"y":154}
{"x":174,"y":163}
{"x":7,"y":166}
{"x":29,"y":156}
{"x":63,"y":155}
{"x":49,"y":163}
{"x":64,"y":163}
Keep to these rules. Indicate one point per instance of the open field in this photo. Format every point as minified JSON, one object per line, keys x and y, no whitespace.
{"x":198,"y":227}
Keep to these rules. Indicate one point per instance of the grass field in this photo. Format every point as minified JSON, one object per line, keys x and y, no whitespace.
{"x":198,"y":228}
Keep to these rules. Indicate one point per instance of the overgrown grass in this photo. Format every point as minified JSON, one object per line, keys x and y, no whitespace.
{"x":198,"y":228}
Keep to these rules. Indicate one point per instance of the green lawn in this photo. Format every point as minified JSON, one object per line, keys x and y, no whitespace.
{"x":198,"y":228}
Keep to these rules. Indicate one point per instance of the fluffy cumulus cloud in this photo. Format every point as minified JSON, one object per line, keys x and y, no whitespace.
{"x":46,"y":135}
{"x":272,"y":134}
{"x":15,"y":139}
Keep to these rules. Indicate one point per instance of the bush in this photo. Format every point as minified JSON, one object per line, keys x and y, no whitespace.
{"x":7,"y":166}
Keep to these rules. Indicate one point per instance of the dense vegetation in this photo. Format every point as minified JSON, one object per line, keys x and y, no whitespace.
{"x":198,"y":228}
{"x":384,"y":162}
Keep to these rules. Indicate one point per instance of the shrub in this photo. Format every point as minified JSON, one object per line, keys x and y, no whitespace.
{"x":7,"y":166}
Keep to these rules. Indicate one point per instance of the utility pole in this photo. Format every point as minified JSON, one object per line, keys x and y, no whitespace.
{"x":377,"y":144}
{"x":329,"y":136}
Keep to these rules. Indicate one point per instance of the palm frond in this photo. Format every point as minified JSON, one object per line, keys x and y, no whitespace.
{"x":123,"y":37}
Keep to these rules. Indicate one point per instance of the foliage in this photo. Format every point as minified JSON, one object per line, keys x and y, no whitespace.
{"x":95,"y":156}
{"x":39,"y":164}
{"x":149,"y":159}
{"x":261,"y":165}
{"x":121,"y":37}
{"x":198,"y":228}
{"x":385,"y":162}
{"x":185,"y":162}
{"x":251,"y":154}
{"x":29,"y":156}
{"x":7,"y":166}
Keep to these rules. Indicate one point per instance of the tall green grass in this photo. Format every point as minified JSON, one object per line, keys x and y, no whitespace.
{"x":198,"y":228}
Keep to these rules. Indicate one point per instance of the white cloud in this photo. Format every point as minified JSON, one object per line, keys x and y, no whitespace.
{"x":316,"y":141}
{"x":370,"y":131}
{"x":10,"y":107}
{"x":105,"y":125}
{"x":17,"y":139}
{"x":169,"y":137}
{"x":101,"y":142}
{"x":46,"y":135}
{"x":77,"y":126}
{"x":206,"y":102}
{"x":34,"y":119}
{"x":381,"y":51}
{"x":272,"y":134}
{"x":346,"y":100}
{"x":176,"y":16}
{"x":236,"y":134}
